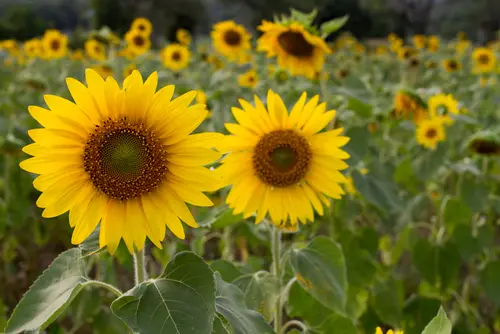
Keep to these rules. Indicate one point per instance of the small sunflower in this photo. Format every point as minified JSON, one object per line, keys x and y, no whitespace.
{"x":442,"y":106}
{"x":230,"y":39}
{"x":406,"y":105}
{"x":183,"y":36}
{"x":406,"y":52}
{"x":10,"y":45}
{"x":127,"y":71}
{"x":95,"y":49}
{"x":382,"y":50}
{"x":420,"y":41}
{"x":484,"y":59}
{"x":297,"y":50}
{"x":485,"y":143}
{"x":142,"y":25}
{"x":248,"y":79}
{"x":77,"y":55}
{"x":452,"y":65}
{"x":55,"y":44}
{"x":430,"y":132}
{"x":121,"y":157}
{"x":215,"y":61}
{"x":433,"y":43}
{"x":379,"y":330}
{"x":103,"y":70}
{"x":127,"y":53}
{"x":137,"y":41}
{"x":32,"y":48}
{"x":280,"y":162}
{"x":462,"y":46}
{"x":175,"y":57}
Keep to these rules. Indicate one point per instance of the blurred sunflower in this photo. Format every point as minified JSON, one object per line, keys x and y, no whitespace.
{"x":430,"y":132}
{"x":442,"y":106}
{"x":142,"y":25}
{"x":420,"y":41}
{"x":451,"y":65}
{"x":183,"y":36}
{"x":129,"y":69}
{"x":381,"y":50}
{"x":297,"y":50}
{"x":462,"y":46}
{"x":406,"y":106}
{"x":77,"y":55}
{"x":137,"y":42}
{"x":433,"y":43}
{"x":406,"y":52}
{"x":121,"y":157}
{"x":485,"y":143}
{"x":95,"y":49}
{"x":379,"y":330}
{"x":55,"y":44}
{"x":280,"y":162}
{"x":230,"y":39}
{"x":175,"y":57}
{"x":32,"y":48}
{"x":10,"y":45}
{"x":215,"y":61}
{"x":248,"y":79}
{"x":127,"y":53}
{"x":103,"y":70}
{"x":484,"y":59}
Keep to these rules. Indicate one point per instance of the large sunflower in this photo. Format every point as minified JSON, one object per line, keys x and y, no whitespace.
{"x":280,"y":163}
{"x":55,"y":44}
{"x":123,"y":157}
{"x":485,"y":60}
{"x":230,"y":39}
{"x":430,"y":132}
{"x":175,"y":57}
{"x":137,"y":42}
{"x":95,"y":49}
{"x":298,"y":50}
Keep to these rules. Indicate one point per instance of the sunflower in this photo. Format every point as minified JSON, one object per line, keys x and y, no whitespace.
{"x":430,"y":132}
{"x":95,"y":49}
{"x":484,"y":59}
{"x":129,"y":69}
{"x":451,"y":65}
{"x":137,"y":41}
{"x":175,"y":57}
{"x":433,"y":43}
{"x":280,"y":163}
{"x":123,"y":157}
{"x":77,"y":55}
{"x":462,"y":46}
{"x":215,"y":61}
{"x":183,"y":36}
{"x":103,"y":70}
{"x":420,"y":41}
{"x":32,"y":48}
{"x":406,"y":106}
{"x":406,"y":52}
{"x":381,"y":50}
{"x":442,"y":106}
{"x":248,"y":79}
{"x":379,"y":330}
{"x":55,"y":44}
{"x":127,"y":53}
{"x":10,"y":45}
{"x":142,"y":25}
{"x":297,"y":50}
{"x":230,"y":39}
{"x":485,"y":143}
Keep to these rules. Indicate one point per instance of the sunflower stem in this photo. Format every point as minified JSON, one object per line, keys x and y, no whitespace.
{"x":276,"y":270}
{"x":140,"y":266}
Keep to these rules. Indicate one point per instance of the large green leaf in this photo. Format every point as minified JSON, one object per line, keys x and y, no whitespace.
{"x":226,"y":269}
{"x":358,"y":145}
{"x":337,"y":324}
{"x":439,"y":325}
{"x":321,"y":270}
{"x":428,"y":163}
{"x":51,"y":293}
{"x":230,"y":302}
{"x":489,"y":281}
{"x":180,"y":301}
{"x":387,"y":301}
{"x":378,"y":192}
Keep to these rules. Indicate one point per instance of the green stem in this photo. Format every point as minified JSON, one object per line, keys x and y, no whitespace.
{"x":296,"y":323}
{"x":276,"y":271}
{"x":228,"y":252}
{"x":105,"y":285}
{"x":140,"y":266}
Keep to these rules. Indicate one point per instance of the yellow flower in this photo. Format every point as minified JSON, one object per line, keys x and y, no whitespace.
{"x":381,"y":50}
{"x":142,"y":25}
{"x":390,"y":331}
{"x":183,"y":36}
{"x":420,"y":41}
{"x":77,"y":55}
{"x":406,"y":106}
{"x":129,"y":70}
{"x":103,"y":70}
{"x":55,"y":44}
{"x":462,"y":46}
{"x":137,"y":41}
{"x":33,"y":48}
{"x":430,"y":132}
{"x":442,"y":106}
{"x":95,"y":49}
{"x":128,"y":53}
{"x":406,"y":52}
{"x":433,"y":43}
{"x":121,"y":157}
{"x":230,"y":39}
{"x":280,"y":163}
{"x":215,"y":61}
{"x":10,"y":45}
{"x":297,"y":50}
{"x":175,"y":57}
{"x":248,"y":79}
{"x":484,"y":59}
{"x":451,"y":65}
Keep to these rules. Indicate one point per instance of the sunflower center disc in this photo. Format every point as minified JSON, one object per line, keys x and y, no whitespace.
{"x":176,"y":56}
{"x":431,"y":133}
{"x":139,"y":40}
{"x":281,"y":158}
{"x":55,"y":44}
{"x":295,"y":44}
{"x":485,"y":147}
{"x":124,"y":160}
{"x":232,"y":37}
{"x":484,"y":59}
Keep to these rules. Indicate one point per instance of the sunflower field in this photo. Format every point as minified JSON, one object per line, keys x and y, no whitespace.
{"x":267,"y":181}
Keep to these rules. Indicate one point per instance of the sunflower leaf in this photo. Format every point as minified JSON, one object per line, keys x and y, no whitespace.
{"x":329,"y":27}
{"x":181,"y":300}
{"x":305,"y":18}
{"x":440,"y":324}
{"x":50,"y":295}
